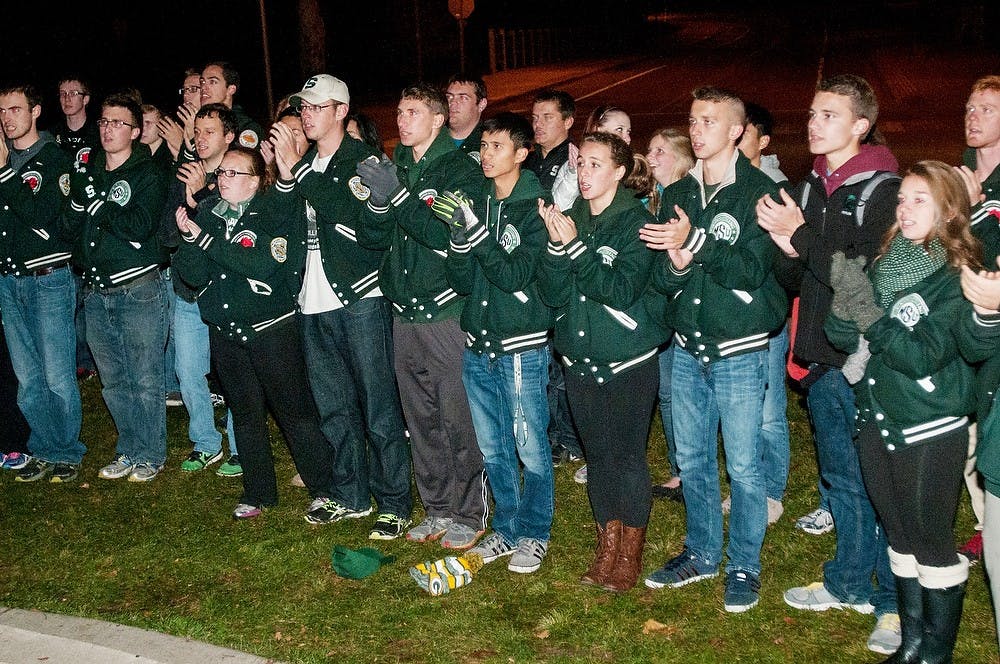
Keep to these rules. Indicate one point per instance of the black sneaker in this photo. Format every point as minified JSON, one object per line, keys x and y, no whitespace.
{"x":388,"y":527}
{"x":34,"y":470}
{"x":64,"y":472}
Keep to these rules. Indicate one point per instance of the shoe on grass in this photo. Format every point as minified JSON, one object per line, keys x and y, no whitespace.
{"x":973,"y":549}
{"x":144,"y":472}
{"x":674,"y":493}
{"x":817,"y":522}
{"x":774,"y":510}
{"x":199,"y":461}
{"x":388,"y":527}
{"x":430,"y":529}
{"x":325,"y":510}
{"x":493,"y":546}
{"x":460,"y":536}
{"x":174,"y":399}
{"x":121,"y":467}
{"x":681,"y":570}
{"x":887,"y":636}
{"x":64,"y":472}
{"x":35,"y":470}
{"x":742,"y":591}
{"x":230,"y":467}
{"x":244,"y":511}
{"x":815,"y":597}
{"x":529,"y":555}
{"x":580,"y":476}
{"x":14,"y":460}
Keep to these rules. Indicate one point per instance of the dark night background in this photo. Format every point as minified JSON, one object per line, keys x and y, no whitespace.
{"x":370,"y":44}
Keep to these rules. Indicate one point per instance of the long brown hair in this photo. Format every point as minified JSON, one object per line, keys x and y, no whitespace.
{"x":637,"y":173}
{"x":952,"y":227}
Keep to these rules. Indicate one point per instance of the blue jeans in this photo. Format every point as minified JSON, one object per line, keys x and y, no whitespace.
{"x":861,"y":542}
{"x":666,"y":359}
{"x":510,"y":411}
{"x":730,"y":391}
{"x":192,"y":362}
{"x":562,"y":430}
{"x":775,"y":450}
{"x":41,"y":337}
{"x":127,"y":333}
{"x":170,"y":377}
{"x":349,"y":361}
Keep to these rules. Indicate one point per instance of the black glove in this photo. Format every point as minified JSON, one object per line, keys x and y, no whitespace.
{"x":380,"y":178}
{"x":853,"y":295}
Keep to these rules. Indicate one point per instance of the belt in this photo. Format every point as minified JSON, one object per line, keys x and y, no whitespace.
{"x":46,"y":271}
{"x":147,"y":278}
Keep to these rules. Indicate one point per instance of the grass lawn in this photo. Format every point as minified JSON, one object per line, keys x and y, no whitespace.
{"x":168,"y":556}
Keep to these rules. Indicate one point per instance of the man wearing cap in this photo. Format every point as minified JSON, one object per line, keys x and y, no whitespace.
{"x":346,"y":323}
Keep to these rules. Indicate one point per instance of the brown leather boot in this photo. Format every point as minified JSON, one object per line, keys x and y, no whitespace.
{"x":628,"y":564}
{"x":609,"y":539}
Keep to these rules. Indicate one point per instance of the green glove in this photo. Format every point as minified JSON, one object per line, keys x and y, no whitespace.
{"x":853,"y":295}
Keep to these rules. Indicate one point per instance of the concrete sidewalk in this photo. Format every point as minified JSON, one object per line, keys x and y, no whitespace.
{"x":29,"y":637}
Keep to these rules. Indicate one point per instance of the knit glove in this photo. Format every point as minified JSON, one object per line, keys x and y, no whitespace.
{"x":856,"y":362}
{"x":455,"y":209}
{"x":380,"y":178}
{"x":853,"y":295}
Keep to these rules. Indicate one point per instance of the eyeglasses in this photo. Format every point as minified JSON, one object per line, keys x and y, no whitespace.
{"x":117,"y":124}
{"x":229,"y":172}
{"x":69,"y":94}
{"x":309,"y":108}
{"x":187,"y":89}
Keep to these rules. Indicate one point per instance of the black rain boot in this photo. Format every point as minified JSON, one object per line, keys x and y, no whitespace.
{"x":942,"y":609}
{"x":910,"y":601}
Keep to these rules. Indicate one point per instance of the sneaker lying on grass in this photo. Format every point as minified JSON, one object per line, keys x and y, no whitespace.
{"x":681,"y":570}
{"x":230,"y":467}
{"x":817,"y":522}
{"x":430,"y":529}
{"x":815,"y":597}
{"x":493,"y":546}
{"x":887,"y":636}
{"x":199,"y":461}
{"x":35,"y":470}
{"x":529,"y":555}
{"x":388,"y":527}
{"x":14,"y":460}
{"x":580,"y":476}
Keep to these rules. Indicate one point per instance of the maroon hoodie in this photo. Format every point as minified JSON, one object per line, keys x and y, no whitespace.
{"x":870,"y":158}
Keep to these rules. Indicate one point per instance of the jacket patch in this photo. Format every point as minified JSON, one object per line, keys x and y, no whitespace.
{"x":33,"y":179}
{"x":83,"y":156}
{"x":510,"y":239}
{"x":607,"y":254}
{"x":360,"y":191}
{"x":121,"y":193}
{"x":279,"y":249}
{"x":259,"y":287}
{"x":245,"y":238}
{"x":908,"y":309}
{"x":248,"y":138}
{"x":428,"y":196}
{"x":725,"y":227}
{"x":64,"y":184}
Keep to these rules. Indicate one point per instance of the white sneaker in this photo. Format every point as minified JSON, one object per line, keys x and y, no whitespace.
{"x":529,"y":556}
{"x":817,"y":522}
{"x":887,"y":636}
{"x":774,"y":510}
{"x":580,"y":476}
{"x":815,"y":597}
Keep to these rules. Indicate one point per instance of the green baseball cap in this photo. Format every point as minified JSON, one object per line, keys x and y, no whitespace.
{"x":359,"y":564}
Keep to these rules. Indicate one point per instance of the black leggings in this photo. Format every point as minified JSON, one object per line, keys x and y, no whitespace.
{"x":613,"y":419}
{"x":915,"y":492}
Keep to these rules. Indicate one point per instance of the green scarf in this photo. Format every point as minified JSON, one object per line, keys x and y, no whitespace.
{"x":904,"y":265}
